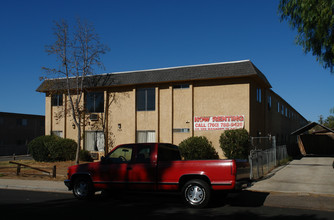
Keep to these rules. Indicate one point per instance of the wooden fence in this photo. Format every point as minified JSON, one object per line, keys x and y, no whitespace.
{"x":19,"y":165}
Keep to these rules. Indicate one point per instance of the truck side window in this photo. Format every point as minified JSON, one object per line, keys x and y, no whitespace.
{"x":122,"y":154}
{"x":143,"y":154}
{"x":168,"y":153}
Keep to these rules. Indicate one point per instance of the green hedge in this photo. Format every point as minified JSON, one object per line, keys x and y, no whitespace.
{"x":52,"y":148}
{"x":235,"y":143}
{"x":197,"y":148}
{"x":84,"y":155}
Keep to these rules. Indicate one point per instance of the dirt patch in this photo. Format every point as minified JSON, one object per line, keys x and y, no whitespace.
{"x":8,"y":170}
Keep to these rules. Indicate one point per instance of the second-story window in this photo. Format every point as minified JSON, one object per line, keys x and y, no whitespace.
{"x":57,"y":100}
{"x":181,"y":86}
{"x":145,"y":99}
{"x":258,"y":95}
{"x":94,"y":102}
{"x":269,"y":102}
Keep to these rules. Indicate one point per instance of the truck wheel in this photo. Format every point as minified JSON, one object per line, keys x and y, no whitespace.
{"x":83,"y":188}
{"x":196,"y":193}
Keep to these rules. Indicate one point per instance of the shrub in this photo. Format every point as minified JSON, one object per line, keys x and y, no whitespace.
{"x":197,"y":148}
{"x":52,"y":148}
{"x":63,"y":149}
{"x":39,"y":147}
{"x":235,"y":143}
{"x":84,"y":155}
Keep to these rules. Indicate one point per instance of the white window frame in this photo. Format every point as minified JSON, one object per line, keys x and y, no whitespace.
{"x":146,"y":136}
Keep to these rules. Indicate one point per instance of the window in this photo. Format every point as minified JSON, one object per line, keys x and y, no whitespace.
{"x":258,"y":95}
{"x":94,"y":140}
{"x":168,"y":152}
{"x":145,"y":136}
{"x":143,"y":154}
{"x":181,"y":130}
{"x":278,"y":109}
{"x":145,"y":99}
{"x":57,"y":100}
{"x":182,"y":86}
{"x":21,"y":122}
{"x":57,"y":133}
{"x":94,"y":102}
{"x":122,"y":154}
{"x":269,"y":102}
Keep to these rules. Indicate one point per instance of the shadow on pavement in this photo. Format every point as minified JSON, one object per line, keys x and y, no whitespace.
{"x":245,"y":205}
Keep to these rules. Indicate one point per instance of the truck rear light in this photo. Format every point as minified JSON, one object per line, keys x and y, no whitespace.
{"x":233,"y":168}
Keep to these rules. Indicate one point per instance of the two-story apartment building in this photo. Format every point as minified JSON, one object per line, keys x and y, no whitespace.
{"x":171,"y":104}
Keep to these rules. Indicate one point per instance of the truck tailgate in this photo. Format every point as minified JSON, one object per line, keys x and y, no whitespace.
{"x":243,"y":170}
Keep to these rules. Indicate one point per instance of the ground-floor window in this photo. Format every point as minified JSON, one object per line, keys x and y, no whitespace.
{"x":145,"y":136}
{"x":94,"y":140}
{"x":57,"y":133}
{"x":181,"y":130}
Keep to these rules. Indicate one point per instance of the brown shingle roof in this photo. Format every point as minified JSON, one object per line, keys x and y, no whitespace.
{"x":173,"y":74}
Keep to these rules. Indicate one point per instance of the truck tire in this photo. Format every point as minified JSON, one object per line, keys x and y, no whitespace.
{"x":83,"y":188}
{"x":196,"y":193}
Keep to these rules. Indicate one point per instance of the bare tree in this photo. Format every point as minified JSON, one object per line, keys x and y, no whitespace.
{"x":78,"y":52}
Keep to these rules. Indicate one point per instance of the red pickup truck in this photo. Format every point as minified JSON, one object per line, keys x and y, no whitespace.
{"x":155,"y":166}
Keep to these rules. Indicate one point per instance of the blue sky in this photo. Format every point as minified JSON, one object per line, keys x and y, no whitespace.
{"x":162,"y":33}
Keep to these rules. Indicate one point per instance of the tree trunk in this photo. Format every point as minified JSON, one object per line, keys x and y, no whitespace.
{"x":79,"y":142}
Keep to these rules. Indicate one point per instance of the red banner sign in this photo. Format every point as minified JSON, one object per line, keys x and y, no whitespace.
{"x":207,"y":123}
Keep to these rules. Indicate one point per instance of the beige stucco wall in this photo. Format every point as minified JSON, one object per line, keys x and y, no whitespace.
{"x":166,"y":114}
{"x":176,"y":109}
{"x":227,"y":99}
{"x":48,"y":115}
{"x":122,"y":111}
{"x":182,"y":113}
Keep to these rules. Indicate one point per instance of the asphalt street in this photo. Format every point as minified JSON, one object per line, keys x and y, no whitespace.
{"x":246,"y":205}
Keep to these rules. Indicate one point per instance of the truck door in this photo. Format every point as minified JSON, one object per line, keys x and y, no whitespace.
{"x":115,"y":169}
{"x":142,"y":169}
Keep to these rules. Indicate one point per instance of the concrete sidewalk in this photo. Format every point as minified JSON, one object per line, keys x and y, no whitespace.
{"x":310,"y":175}
{"x":35,"y":185}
